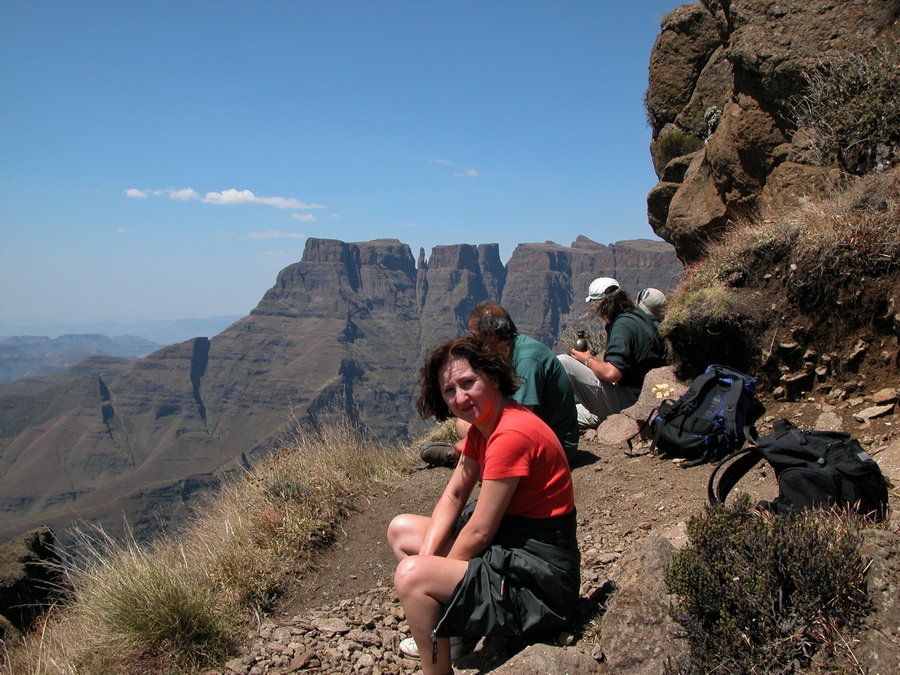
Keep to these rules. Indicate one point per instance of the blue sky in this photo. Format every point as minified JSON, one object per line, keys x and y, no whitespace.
{"x":164,"y":160}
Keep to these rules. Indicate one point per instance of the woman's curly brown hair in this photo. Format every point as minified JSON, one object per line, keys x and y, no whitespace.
{"x":480,"y":356}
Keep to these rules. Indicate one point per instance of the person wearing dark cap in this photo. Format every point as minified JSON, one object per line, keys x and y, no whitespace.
{"x":605,"y":386}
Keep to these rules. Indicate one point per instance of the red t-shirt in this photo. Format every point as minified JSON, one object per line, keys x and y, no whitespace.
{"x":523,"y":445}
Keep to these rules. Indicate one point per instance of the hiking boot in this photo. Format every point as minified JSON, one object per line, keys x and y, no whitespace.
{"x":438,"y":454}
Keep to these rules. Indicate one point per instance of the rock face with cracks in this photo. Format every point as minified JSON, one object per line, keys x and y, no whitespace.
{"x":723,"y":78}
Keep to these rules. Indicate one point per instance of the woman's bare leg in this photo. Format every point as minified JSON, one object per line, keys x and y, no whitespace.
{"x":407,"y":532}
{"x":424,"y":585}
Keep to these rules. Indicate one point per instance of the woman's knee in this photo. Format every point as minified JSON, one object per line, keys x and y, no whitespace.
{"x":403,"y":534}
{"x":409,"y":574}
{"x":428,"y":575}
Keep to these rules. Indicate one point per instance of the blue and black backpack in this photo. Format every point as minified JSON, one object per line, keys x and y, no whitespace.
{"x":713,"y":418}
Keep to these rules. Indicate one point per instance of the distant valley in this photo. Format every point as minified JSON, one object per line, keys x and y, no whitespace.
{"x":34,"y":348}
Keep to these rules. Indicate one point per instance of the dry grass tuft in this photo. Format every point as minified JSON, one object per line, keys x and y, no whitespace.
{"x":176,"y":605}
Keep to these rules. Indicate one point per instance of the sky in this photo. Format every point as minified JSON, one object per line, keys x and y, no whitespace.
{"x":164,"y":160}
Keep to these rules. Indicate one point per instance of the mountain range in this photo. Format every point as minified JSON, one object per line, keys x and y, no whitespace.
{"x":128,"y":443}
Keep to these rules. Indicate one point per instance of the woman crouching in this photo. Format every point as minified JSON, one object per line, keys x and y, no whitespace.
{"x":508,"y":563}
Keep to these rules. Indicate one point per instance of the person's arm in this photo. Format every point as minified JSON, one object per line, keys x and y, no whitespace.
{"x":449,"y":506}
{"x":604,"y":370}
{"x":476,"y":535}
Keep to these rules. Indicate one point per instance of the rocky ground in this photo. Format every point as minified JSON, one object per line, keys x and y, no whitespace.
{"x":345,"y":618}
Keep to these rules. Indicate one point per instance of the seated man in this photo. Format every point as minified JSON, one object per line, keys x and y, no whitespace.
{"x":652,"y":301}
{"x":633,"y":348}
{"x":544,"y":386}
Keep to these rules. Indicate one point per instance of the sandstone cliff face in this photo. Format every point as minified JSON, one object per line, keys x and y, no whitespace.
{"x":343,"y":331}
{"x":726,"y":74}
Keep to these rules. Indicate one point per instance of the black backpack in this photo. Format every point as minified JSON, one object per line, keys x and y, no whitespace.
{"x":714,"y":417}
{"x":813,"y":469}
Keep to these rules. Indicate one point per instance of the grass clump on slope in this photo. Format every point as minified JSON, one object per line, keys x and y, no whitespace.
{"x":833,"y":258}
{"x":177,"y":604}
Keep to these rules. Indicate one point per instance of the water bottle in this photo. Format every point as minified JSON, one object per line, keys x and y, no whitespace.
{"x":581,"y":343}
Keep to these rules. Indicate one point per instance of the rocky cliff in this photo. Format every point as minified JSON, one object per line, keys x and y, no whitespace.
{"x":725,"y":77}
{"x":342,"y":331}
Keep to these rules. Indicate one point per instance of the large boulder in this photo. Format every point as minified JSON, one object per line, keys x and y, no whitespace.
{"x":637,"y":632}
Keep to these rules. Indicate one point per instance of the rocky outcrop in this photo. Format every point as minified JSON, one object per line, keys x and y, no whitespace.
{"x":341,"y":333}
{"x":31,"y":579}
{"x":723,"y":78}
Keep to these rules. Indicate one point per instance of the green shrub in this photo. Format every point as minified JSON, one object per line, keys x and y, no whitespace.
{"x":760,"y":593}
{"x":674,"y":144}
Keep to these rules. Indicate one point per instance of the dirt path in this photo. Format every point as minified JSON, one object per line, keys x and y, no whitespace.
{"x":621,"y":496}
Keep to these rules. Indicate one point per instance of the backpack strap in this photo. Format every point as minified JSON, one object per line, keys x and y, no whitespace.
{"x":744,"y":460}
{"x":731,"y":403}
{"x":730,"y":416}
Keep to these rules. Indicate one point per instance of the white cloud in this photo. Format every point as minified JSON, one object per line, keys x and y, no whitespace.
{"x":275,"y":234}
{"x":304,"y":217}
{"x":183,"y":195}
{"x":232,"y":196}
{"x":410,"y":224}
{"x":441,"y":161}
{"x":228,"y":197}
{"x":121,"y":229}
{"x":468,"y":173}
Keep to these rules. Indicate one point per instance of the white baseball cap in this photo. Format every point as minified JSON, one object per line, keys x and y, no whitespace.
{"x":602,"y":288}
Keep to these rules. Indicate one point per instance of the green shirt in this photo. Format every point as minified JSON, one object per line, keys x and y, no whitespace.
{"x":634,"y":347}
{"x":544,"y":384}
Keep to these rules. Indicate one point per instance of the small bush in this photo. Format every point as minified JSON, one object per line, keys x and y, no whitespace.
{"x":852,"y":106}
{"x":760,"y":593}
{"x":674,"y":144}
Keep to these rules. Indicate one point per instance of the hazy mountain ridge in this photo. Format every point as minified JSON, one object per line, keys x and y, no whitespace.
{"x":160,"y":332}
{"x":31,"y":355}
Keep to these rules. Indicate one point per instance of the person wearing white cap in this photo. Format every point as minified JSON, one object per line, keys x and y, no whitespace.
{"x":633,"y":348}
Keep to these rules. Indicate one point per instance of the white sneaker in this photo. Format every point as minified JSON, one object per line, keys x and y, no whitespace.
{"x":408,"y":647}
{"x":458,"y":648}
